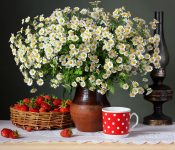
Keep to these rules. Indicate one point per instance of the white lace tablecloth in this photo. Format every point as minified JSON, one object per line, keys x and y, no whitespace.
{"x":140,"y":135}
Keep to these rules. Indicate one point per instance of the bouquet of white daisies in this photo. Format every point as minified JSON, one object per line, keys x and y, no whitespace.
{"x":90,"y":48}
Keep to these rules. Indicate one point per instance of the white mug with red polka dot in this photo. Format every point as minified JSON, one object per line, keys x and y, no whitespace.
{"x":116,"y":121}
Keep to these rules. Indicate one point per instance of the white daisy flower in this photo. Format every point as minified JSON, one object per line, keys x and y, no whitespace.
{"x":40,"y":82}
{"x":32,"y":72}
{"x":82,"y":84}
{"x":125,"y":86}
{"x":74,"y":84}
{"x":33,"y":90}
{"x":27,"y":19}
{"x":41,"y":31}
{"x":29,"y":82}
{"x":98,"y":82}
{"x":119,"y":60}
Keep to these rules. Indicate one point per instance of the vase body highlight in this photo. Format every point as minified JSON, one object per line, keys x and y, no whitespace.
{"x":86,"y":110}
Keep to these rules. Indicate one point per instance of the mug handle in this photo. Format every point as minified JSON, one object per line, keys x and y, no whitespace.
{"x":137,"y":120}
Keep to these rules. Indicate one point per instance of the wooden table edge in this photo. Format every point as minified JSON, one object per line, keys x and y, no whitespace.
{"x":83,"y":146}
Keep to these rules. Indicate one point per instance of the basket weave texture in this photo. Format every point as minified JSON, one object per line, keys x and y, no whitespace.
{"x":40,"y":121}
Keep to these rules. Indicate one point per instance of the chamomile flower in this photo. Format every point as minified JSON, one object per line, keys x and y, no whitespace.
{"x":125,"y":86}
{"x":135,"y":91}
{"x":59,"y":76}
{"x":148,"y":68}
{"x":27,"y":19}
{"x":41,"y":31}
{"x":149,"y":91}
{"x":40,"y":82}
{"x":132,"y":94}
{"x":33,"y":90}
{"x":84,"y":11}
{"x":29,"y":82}
{"x":92,"y":78}
{"x":90,"y":49}
{"x":141,"y":90}
{"x":133,"y":62}
{"x":77,"y":79}
{"x":32,"y":72}
{"x":147,"y":56}
{"x":135,"y":84}
{"x":145,"y":80}
{"x":119,"y":60}
{"x":98,"y":82}
{"x":74,"y":84}
{"x":82,"y":84}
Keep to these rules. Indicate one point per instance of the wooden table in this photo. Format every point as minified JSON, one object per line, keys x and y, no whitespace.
{"x":84,"y":146}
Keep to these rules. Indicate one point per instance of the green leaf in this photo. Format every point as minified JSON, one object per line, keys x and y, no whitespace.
{"x":111,"y":89}
{"x":78,"y":72}
{"x":67,"y":89}
{"x":21,"y":102}
{"x":123,"y":76}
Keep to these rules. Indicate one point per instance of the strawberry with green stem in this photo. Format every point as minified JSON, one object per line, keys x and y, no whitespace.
{"x":66,"y":133}
{"x":64,"y":107}
{"x":26,"y":101}
{"x":48,"y":97}
{"x":56,"y":102}
{"x":47,"y":105}
{"x":32,"y":106}
{"x":22,"y":106}
{"x":14,"y":134}
{"x":8,"y":133}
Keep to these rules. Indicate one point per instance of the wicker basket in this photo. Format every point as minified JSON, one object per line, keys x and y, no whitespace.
{"x":40,"y":121}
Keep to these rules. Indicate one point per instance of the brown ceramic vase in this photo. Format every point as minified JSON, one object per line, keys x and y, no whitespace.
{"x":86,"y":110}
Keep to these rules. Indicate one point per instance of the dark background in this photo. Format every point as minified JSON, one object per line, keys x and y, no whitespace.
{"x":12,"y":87}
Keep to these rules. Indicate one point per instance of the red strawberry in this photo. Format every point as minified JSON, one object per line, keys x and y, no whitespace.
{"x":46,"y":106}
{"x":17,"y":106}
{"x":66,"y":132}
{"x":33,"y":109}
{"x":56,"y":102}
{"x":39,"y":100}
{"x":55,"y":110}
{"x":28,"y":128}
{"x":65,"y":109}
{"x":24,"y":108}
{"x":42,"y":110}
{"x":5,"y":132}
{"x":26,"y":101}
{"x":14,"y":134}
{"x":47,"y":97}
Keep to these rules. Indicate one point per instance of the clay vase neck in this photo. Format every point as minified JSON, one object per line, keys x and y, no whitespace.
{"x":86,"y":110}
{"x":83,"y":96}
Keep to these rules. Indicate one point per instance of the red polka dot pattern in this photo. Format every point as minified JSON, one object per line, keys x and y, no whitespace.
{"x":116,"y":123}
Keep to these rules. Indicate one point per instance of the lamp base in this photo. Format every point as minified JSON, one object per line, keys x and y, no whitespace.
{"x":156,"y":119}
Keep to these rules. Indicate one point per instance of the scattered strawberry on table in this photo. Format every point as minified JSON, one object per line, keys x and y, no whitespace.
{"x":66,"y":133}
{"x":8,"y":133}
{"x":43,"y":103}
{"x":14,"y":134}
